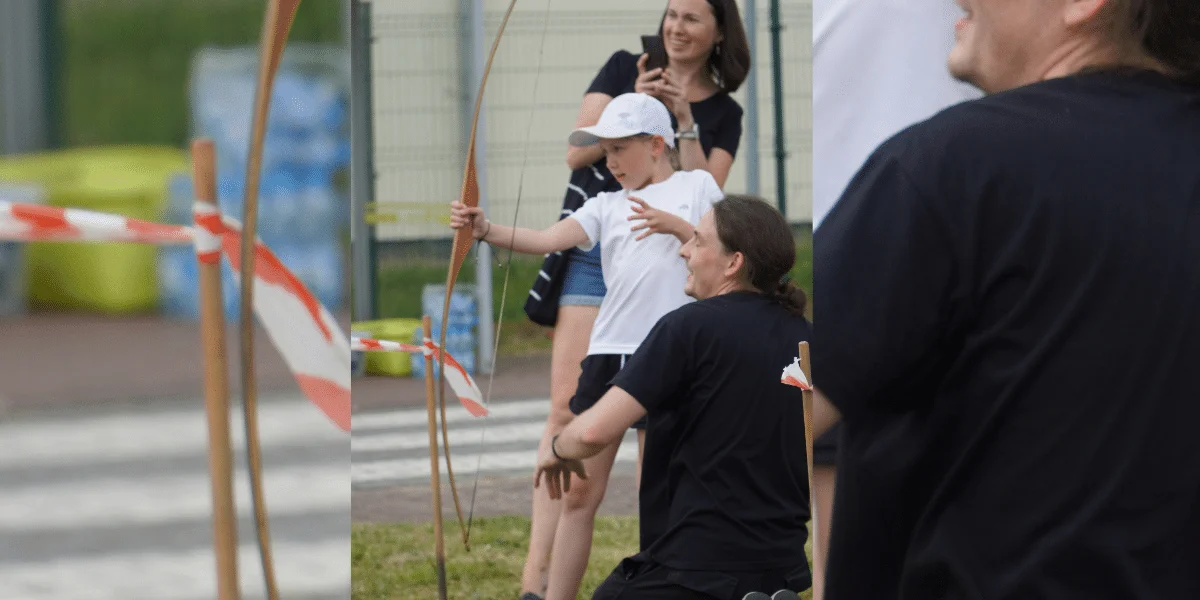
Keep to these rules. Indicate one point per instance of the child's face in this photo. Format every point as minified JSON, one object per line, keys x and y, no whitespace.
{"x":632,"y":160}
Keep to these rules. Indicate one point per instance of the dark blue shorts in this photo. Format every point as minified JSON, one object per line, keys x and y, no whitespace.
{"x":583,"y":284}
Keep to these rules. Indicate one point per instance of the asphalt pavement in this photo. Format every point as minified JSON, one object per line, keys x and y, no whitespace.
{"x":116,"y":504}
{"x":390,"y":472}
{"x":104,"y":484}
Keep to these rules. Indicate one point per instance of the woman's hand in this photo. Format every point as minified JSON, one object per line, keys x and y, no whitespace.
{"x":676,"y":100}
{"x":648,"y":82}
{"x":462,"y":215}
{"x":655,"y":220}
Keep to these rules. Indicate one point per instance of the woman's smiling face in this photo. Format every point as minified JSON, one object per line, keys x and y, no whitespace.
{"x":690,"y":30}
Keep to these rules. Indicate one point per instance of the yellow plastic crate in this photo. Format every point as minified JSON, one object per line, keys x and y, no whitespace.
{"x":396,"y":364}
{"x":130,"y":181}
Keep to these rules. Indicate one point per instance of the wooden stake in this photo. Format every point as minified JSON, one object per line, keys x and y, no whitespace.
{"x":216,"y":384}
{"x":808,"y":440}
{"x":439,"y":547}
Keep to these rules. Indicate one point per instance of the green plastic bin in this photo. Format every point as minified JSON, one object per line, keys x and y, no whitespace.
{"x":396,"y":364}
{"x":131,"y":181}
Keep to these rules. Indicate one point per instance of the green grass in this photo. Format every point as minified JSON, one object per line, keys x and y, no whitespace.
{"x":395,"y":561}
{"x":400,"y":282}
{"x":124,"y":64}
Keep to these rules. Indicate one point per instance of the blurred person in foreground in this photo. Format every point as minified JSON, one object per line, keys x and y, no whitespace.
{"x":723,"y":505}
{"x":1011,"y":321}
{"x":864,"y":94}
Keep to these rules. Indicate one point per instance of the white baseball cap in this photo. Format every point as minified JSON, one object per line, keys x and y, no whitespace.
{"x":625,"y":116}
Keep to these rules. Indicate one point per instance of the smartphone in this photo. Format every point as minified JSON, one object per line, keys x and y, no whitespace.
{"x":653,"y":46}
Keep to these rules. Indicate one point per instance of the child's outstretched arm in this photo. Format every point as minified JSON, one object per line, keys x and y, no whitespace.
{"x":658,"y":221}
{"x":562,"y":235}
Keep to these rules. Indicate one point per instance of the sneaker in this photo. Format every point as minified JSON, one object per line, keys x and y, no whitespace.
{"x":530,"y":596}
{"x":785,"y":595}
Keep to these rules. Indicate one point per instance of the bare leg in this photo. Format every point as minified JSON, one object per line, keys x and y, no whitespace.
{"x":571,"y":335}
{"x":824,"y":482}
{"x":573,"y":540}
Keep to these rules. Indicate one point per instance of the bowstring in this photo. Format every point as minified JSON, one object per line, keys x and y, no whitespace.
{"x":508,"y":267}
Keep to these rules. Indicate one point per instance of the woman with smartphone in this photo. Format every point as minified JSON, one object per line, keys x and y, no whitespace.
{"x":702,"y":45}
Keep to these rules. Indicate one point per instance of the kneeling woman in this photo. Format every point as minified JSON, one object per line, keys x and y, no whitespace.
{"x":724,"y":494}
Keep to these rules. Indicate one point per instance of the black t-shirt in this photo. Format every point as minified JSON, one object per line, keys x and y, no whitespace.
{"x":1009,"y":301}
{"x":724,"y":474}
{"x":719,"y":115}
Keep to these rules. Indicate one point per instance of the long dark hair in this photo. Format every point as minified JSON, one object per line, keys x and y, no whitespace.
{"x":1167,"y":30}
{"x":729,"y":61}
{"x":750,"y":225}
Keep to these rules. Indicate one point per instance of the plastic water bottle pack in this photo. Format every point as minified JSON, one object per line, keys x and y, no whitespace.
{"x":460,"y":327}
{"x":301,"y":210}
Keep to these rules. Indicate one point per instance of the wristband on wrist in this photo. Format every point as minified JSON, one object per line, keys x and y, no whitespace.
{"x":486,"y":231}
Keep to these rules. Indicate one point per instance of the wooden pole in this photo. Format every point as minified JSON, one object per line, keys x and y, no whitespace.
{"x":818,"y":559}
{"x":216,"y":383}
{"x":434,"y":474}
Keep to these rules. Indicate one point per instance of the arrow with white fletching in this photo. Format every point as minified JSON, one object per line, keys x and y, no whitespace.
{"x":793,"y":375}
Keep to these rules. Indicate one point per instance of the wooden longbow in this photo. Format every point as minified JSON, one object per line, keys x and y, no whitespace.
{"x":276,"y":24}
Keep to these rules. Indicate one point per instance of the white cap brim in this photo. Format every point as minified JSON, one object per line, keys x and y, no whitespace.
{"x":589,"y":136}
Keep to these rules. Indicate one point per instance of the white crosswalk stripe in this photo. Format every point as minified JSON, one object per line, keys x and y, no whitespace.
{"x":392,"y":448}
{"x":118,"y":506}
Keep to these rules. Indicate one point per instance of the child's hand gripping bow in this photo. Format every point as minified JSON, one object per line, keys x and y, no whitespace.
{"x":462,"y":215}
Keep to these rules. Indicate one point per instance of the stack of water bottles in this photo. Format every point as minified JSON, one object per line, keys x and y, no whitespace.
{"x":302,"y":210}
{"x":460,"y":328}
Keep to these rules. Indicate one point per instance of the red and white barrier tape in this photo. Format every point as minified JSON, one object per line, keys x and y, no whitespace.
{"x":460,"y":381}
{"x":304,"y":332}
{"x":36,"y":223}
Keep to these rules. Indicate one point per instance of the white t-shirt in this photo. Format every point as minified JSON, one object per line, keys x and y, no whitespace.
{"x":878,"y":67}
{"x":644,"y":278}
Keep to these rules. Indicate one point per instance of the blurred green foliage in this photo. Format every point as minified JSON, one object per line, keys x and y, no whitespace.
{"x":124,"y":64}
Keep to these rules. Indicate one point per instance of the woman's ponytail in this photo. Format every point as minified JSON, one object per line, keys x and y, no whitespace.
{"x":791,"y":297}
{"x":751,"y":226}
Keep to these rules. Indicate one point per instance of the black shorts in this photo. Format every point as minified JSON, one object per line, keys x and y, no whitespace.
{"x":825,"y":447}
{"x":595,"y":381}
{"x":638,"y":577}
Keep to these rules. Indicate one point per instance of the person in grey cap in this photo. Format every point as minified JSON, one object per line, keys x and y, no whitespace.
{"x":644,"y":274}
